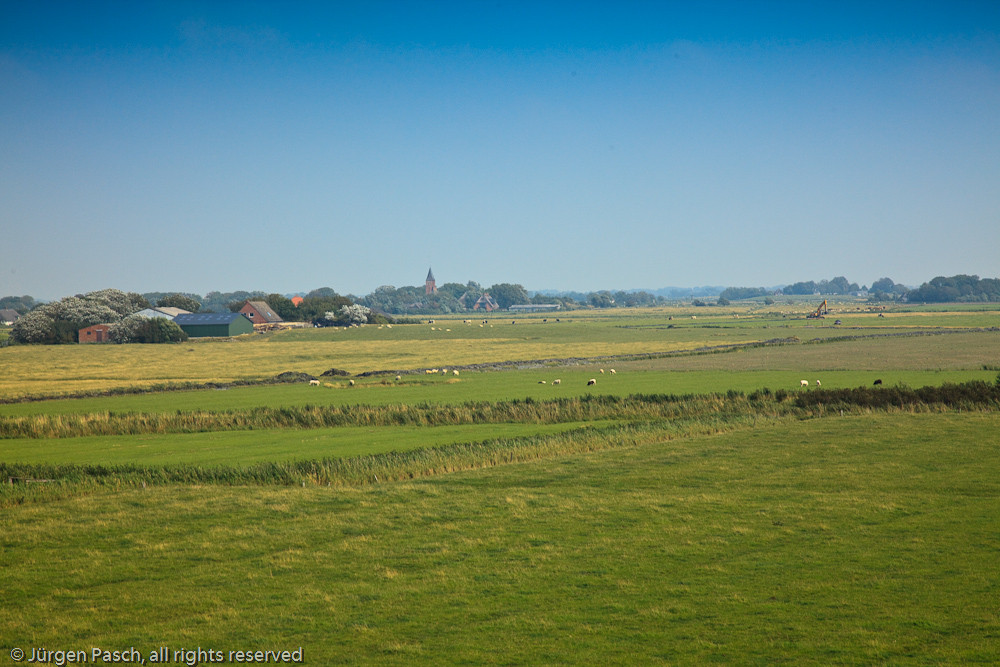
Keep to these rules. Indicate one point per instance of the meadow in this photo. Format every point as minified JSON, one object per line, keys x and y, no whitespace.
{"x":698,"y":505}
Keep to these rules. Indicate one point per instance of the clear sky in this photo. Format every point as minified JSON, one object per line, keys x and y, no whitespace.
{"x":285,"y":146}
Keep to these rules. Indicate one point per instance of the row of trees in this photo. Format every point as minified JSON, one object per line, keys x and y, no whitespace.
{"x":959,"y":288}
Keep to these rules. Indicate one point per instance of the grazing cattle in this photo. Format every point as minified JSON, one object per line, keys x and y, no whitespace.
{"x":877,"y":383}
{"x":313,"y":383}
{"x":591,"y":381}
{"x":803,"y":383}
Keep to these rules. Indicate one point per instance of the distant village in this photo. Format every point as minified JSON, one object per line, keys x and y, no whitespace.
{"x":112,"y":316}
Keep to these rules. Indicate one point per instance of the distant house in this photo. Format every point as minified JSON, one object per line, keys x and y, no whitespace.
{"x":259,"y":312}
{"x":98,"y":333}
{"x":201,"y":325}
{"x":487,"y":303}
{"x":8,"y":316}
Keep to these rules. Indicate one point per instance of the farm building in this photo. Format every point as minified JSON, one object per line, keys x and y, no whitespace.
{"x":201,"y":325}
{"x":259,"y":312}
{"x":487,"y":303}
{"x":163,"y":311}
{"x":8,"y":316}
{"x":97,"y":333}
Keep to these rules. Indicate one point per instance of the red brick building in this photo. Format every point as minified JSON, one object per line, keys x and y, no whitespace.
{"x":97,"y":333}
{"x":259,"y":312}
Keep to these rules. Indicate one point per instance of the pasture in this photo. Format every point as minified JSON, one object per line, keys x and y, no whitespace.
{"x":686,"y":509}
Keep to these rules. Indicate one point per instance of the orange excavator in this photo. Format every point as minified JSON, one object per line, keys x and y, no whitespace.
{"x":819,"y":312}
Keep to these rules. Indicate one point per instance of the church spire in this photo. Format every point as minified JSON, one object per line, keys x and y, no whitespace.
{"x":430,"y":286}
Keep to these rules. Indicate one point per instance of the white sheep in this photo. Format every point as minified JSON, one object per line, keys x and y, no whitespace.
{"x":398,"y":378}
{"x":817,"y":383}
{"x":313,"y":383}
{"x":454,"y":372}
{"x":557,"y":381}
{"x":591,"y":381}
{"x":612,"y":371}
{"x":350,"y":382}
{"x":803,"y":383}
{"x":541,"y":382}
{"x":602,"y":371}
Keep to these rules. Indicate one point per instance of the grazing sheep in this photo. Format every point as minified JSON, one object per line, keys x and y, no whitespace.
{"x":803,"y":383}
{"x":313,"y":383}
{"x":602,"y":371}
{"x":350,"y":382}
{"x":557,"y":381}
{"x":455,"y":372}
{"x":591,"y":381}
{"x":817,"y":383}
{"x":398,"y":378}
{"x":612,"y":371}
{"x":541,"y":382}
{"x":877,"y":383}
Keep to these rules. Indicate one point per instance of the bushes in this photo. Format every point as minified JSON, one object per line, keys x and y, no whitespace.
{"x":966,"y":395}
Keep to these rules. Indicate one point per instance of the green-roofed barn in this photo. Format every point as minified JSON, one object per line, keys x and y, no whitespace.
{"x":202,"y":325}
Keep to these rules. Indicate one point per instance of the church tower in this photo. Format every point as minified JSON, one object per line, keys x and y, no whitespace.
{"x":430,"y":287}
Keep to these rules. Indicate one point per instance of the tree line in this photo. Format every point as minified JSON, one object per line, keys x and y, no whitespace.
{"x":60,"y":321}
{"x":959,"y":288}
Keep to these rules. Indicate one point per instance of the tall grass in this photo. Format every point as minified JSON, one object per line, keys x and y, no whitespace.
{"x":527,"y":410}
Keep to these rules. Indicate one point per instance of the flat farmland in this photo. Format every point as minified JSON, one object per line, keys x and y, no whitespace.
{"x":70,"y":369}
{"x":691,"y":507}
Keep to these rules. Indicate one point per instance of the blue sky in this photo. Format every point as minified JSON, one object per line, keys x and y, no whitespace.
{"x":164,"y":146}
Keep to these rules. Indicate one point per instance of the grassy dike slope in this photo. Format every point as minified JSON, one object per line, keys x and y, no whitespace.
{"x":843,"y":540}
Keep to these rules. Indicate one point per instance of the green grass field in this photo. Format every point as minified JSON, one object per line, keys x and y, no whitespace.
{"x":840,"y":541}
{"x":486,"y":518}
